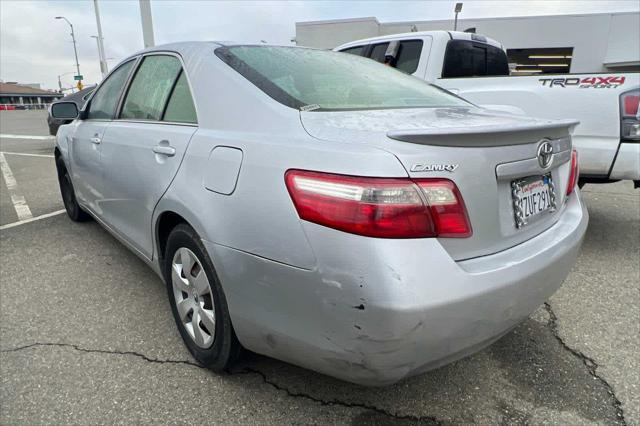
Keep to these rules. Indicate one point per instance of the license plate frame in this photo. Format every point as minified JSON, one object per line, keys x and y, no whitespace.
{"x":521,"y":188}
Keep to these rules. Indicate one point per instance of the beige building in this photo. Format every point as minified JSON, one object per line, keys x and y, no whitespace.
{"x":589,"y":43}
{"x":16,"y":95}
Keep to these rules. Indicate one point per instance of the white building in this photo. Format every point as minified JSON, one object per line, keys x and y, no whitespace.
{"x":576,"y":43}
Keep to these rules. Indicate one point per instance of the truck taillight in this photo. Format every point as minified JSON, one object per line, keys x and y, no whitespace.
{"x":574,"y":174}
{"x":380,"y":207}
{"x":629,"y":117}
{"x":630,"y":105}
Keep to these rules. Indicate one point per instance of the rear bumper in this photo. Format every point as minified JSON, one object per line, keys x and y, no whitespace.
{"x":627,"y":162}
{"x":376,"y":311}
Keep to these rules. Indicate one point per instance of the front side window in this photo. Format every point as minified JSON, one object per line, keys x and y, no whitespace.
{"x":330,"y":81}
{"x":150,"y":88}
{"x":378,"y":51}
{"x":358,"y":50}
{"x":105,"y":101}
{"x":464,"y":58}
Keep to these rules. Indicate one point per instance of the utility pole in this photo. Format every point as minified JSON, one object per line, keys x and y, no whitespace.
{"x":100,"y":40}
{"x":75,"y":51}
{"x":147,"y":23}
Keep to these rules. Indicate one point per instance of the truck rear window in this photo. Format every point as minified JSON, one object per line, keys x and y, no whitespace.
{"x":465,"y":58}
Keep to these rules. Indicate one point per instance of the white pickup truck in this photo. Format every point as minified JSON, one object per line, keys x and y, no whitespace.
{"x":476,"y":68}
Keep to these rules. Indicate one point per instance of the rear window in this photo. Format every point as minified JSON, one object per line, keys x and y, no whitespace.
{"x":324,"y":80}
{"x":407,"y":57}
{"x":465,"y":58}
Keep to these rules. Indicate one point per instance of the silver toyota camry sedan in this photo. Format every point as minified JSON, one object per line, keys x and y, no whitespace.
{"x":321,"y":208}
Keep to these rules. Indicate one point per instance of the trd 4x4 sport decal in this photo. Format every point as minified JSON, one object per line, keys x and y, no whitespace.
{"x":606,"y":82}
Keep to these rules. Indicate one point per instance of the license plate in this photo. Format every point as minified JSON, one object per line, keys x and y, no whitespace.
{"x":533,"y":197}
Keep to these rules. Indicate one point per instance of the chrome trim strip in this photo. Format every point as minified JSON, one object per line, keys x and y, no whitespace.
{"x":530,"y":166}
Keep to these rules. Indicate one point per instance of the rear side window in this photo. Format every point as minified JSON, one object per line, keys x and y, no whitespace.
{"x":180,"y":108}
{"x":409,"y":56}
{"x":465,"y":58}
{"x":150,"y":88}
{"x":105,"y":101}
{"x":358,"y":50}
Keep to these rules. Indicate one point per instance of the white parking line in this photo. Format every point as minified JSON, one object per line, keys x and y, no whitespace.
{"x":40,"y":138}
{"x":33,"y":219}
{"x":26,"y":154}
{"x":19,"y":203}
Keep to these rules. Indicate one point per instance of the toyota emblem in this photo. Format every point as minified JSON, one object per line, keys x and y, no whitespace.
{"x":545,"y":154}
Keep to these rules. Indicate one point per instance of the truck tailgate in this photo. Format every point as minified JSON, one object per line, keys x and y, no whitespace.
{"x":592,"y":99}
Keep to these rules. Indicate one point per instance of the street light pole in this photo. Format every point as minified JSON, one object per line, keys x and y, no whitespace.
{"x":75,"y":50}
{"x":458,"y":9}
{"x":100,"y":40}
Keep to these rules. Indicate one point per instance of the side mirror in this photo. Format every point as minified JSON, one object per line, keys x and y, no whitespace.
{"x":64,"y":110}
{"x":391,"y":54}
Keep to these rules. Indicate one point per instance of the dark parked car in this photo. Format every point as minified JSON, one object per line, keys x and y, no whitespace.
{"x":79,"y":98}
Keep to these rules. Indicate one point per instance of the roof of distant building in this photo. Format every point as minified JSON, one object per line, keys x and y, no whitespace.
{"x":17,"y":89}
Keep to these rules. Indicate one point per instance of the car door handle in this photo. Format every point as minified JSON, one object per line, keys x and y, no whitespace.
{"x":96,"y":140}
{"x":169,"y":151}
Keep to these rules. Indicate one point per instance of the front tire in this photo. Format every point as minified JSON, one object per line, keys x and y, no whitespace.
{"x":198,"y":302}
{"x":74,"y":211}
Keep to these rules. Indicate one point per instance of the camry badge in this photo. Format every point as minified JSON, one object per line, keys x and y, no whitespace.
{"x":434,"y":167}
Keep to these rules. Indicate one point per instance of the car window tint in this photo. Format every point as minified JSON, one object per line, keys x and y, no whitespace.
{"x":316,"y":80}
{"x":409,"y":56}
{"x":180,"y":108}
{"x":150,"y":88}
{"x":497,"y":62}
{"x":378,"y":51}
{"x":358,"y":50}
{"x":467,"y":59}
{"x":105,"y":101}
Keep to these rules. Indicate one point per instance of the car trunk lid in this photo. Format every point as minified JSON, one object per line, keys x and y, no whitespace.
{"x":484,"y":154}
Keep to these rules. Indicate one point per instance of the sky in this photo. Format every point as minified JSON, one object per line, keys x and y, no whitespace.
{"x":36,"y":48}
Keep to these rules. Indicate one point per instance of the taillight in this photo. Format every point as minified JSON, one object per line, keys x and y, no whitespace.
{"x":380,"y":207}
{"x":629,"y":117}
{"x":575,"y":172}
{"x":630,"y":103}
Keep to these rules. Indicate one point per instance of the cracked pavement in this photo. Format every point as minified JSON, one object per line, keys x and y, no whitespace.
{"x":87,"y":337}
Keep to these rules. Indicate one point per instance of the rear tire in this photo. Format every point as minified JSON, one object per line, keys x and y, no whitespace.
{"x":203,"y":317}
{"x":74,"y":211}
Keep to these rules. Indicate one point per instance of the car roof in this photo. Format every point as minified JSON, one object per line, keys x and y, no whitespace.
{"x":79,"y":95}
{"x":186,"y":48}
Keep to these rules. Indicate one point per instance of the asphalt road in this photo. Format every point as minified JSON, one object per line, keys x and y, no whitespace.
{"x":87,"y":337}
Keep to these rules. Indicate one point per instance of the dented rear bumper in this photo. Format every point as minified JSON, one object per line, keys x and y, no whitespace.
{"x":375,"y":311}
